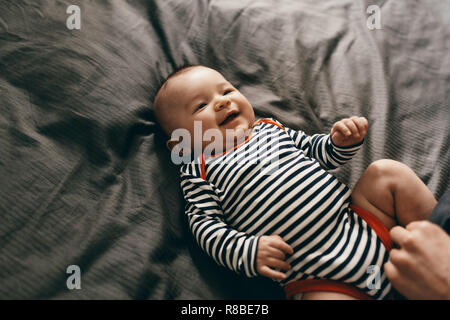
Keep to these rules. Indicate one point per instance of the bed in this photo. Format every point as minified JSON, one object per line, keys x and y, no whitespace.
{"x":85,"y":178}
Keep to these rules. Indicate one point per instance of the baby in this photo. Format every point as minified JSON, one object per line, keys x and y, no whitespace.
{"x":284,"y":216}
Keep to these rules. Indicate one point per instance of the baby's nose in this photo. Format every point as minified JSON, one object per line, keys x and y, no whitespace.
{"x":222,"y":103}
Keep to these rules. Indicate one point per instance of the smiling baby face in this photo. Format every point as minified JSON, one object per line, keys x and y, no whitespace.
{"x":202,"y":94}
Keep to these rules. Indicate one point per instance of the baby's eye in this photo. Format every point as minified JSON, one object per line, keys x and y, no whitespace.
{"x":227,"y":92}
{"x":201,"y":106}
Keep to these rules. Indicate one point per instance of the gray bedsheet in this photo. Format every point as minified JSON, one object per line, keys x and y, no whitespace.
{"x":85,"y":181}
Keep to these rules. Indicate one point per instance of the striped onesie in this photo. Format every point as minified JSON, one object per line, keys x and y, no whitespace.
{"x":276,"y":183}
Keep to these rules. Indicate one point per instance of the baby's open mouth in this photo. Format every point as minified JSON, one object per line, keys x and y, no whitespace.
{"x":229,"y":118}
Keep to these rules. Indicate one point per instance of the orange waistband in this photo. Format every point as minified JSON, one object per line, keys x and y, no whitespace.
{"x":311,"y":285}
{"x":376,"y":225}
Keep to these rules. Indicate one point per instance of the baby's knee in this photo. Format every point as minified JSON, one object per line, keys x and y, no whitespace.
{"x":388,"y":170}
{"x":388,"y":166}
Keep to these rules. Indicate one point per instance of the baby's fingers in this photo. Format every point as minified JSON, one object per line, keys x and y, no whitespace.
{"x":361,"y":123}
{"x":342,"y":128}
{"x":280,"y":244}
{"x":273,"y":274}
{"x":278,"y":264}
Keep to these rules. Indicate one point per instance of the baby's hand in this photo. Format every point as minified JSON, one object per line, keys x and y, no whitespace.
{"x":271,"y":254}
{"x":348,"y":132}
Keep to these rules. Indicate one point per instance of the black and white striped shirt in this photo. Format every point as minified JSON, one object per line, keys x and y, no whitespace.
{"x":276,"y":183}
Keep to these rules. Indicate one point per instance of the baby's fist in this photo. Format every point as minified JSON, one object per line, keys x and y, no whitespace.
{"x":271,"y":254}
{"x":348,"y":132}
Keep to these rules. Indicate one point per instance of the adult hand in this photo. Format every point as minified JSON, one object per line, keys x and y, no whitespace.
{"x":348,"y":132}
{"x":271,"y":254}
{"x":420,"y":268}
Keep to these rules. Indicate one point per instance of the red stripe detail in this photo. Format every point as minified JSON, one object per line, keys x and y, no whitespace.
{"x":202,"y":167}
{"x":311,"y":285}
{"x":271,"y":122}
{"x":376,"y":225}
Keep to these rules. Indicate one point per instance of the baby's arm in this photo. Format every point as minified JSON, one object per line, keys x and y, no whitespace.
{"x":238,"y":251}
{"x":227,"y":246}
{"x":335,"y":149}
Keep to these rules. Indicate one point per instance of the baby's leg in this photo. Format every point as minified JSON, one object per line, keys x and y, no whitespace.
{"x":393,"y":193}
{"x":326,"y":295}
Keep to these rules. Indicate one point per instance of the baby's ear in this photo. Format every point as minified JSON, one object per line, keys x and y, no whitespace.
{"x":180,"y":149}
{"x":170,"y":144}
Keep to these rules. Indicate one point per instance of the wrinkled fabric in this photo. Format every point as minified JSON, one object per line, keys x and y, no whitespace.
{"x":86,"y":181}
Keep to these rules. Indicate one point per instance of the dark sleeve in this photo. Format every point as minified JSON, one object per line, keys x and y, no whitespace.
{"x":322,"y":148}
{"x":441,"y":213}
{"x":227,"y":246}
